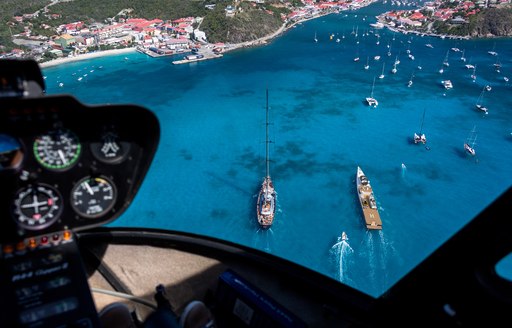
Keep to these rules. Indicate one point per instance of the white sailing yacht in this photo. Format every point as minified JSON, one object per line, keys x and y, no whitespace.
{"x":394,"y":70}
{"x":421,"y":137}
{"x":409,"y":84}
{"x":266,"y":205}
{"x":479,"y":103}
{"x":473,"y":76}
{"x":445,"y":61}
{"x":492,"y":52}
{"x":469,"y":145}
{"x":381,"y":76}
{"x":370,"y":100}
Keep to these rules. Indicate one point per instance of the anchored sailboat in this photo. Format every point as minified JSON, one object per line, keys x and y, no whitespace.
{"x":409,"y":83}
{"x":420,"y":137}
{"x":469,"y":145}
{"x":266,"y":205}
{"x":479,"y":103}
{"x":370,"y":100}
{"x":381,"y":76}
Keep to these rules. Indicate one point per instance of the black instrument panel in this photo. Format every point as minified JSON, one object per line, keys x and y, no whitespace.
{"x":68,"y":166}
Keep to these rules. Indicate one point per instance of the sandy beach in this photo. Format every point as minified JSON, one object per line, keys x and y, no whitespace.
{"x":89,"y":55}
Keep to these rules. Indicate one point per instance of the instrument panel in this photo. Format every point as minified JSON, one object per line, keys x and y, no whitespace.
{"x":68,"y":166}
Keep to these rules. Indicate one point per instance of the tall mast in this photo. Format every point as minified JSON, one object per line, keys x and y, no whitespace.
{"x":373,"y":86}
{"x":266,"y":140}
{"x":422,"y":120}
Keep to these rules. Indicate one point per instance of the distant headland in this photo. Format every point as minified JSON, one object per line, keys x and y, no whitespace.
{"x":51,"y":37}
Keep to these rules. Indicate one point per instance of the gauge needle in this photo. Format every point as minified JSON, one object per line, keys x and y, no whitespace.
{"x":89,"y":189}
{"x":61,"y":155}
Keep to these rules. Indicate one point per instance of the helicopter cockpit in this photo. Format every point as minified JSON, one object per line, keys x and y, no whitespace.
{"x":68,"y":169}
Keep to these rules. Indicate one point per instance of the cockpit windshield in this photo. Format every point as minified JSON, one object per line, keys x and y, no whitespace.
{"x":212,"y":156}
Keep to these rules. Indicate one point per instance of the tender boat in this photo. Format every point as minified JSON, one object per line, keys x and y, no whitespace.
{"x":367,"y":201}
{"x":447,"y":84}
{"x":344,"y":236}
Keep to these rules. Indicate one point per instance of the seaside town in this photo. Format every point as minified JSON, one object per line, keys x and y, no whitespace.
{"x":157,"y":37}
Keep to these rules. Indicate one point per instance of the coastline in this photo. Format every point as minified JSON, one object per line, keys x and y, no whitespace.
{"x":89,"y":55}
{"x":229,"y":46}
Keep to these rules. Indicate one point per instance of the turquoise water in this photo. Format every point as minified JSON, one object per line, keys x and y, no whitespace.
{"x":211,"y":158}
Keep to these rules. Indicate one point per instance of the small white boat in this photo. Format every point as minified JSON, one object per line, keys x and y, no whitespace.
{"x":344,"y":236}
{"x":447,"y":84}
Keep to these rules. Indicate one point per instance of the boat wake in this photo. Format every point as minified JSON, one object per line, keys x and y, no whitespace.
{"x":341,"y":252}
{"x":381,"y":255}
{"x":263,"y":239}
{"x":370,"y":247}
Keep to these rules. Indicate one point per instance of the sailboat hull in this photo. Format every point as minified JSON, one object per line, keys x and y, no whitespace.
{"x":266,"y":205}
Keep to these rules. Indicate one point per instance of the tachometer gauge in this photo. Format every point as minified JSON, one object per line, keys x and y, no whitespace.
{"x":57,"y":150}
{"x":37,"y":207}
{"x":92,"y":197}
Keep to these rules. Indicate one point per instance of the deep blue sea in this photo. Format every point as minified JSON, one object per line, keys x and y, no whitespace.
{"x":211,"y":159}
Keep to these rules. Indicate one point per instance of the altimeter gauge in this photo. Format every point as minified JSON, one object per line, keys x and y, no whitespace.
{"x":92,"y":197}
{"x":57,"y":150}
{"x":37,"y":206}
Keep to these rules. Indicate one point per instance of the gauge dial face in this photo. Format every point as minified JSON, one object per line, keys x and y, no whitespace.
{"x":92,"y":197}
{"x":37,"y":207}
{"x":57,"y":150}
{"x":111,"y":149}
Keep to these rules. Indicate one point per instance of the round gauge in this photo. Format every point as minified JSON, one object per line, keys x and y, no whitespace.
{"x":111,"y":149}
{"x":57,"y":150}
{"x":92,"y":197}
{"x":37,"y":206}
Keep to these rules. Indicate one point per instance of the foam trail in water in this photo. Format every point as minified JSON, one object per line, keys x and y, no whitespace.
{"x":404,"y":170}
{"x":263,"y":239}
{"x":371,"y":256}
{"x":341,"y":251}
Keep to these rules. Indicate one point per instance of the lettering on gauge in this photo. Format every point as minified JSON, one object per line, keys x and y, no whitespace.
{"x":57,"y":150}
{"x":93,"y":197}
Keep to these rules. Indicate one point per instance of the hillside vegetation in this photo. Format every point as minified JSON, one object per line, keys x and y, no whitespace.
{"x":491,"y":22}
{"x":250,"y":22}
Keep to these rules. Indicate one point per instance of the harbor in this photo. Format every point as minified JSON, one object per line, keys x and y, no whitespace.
{"x":204,"y":55}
